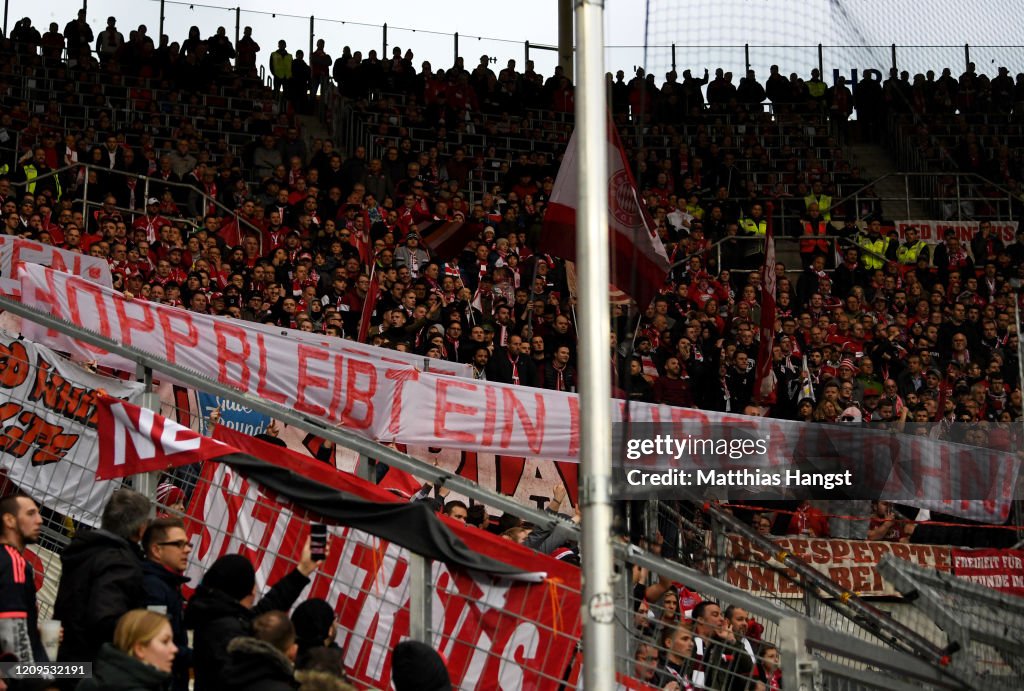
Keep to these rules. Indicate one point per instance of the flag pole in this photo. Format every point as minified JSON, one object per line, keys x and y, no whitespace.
{"x":594,"y":328}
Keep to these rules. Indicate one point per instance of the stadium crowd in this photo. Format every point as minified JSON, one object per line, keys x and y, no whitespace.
{"x":259,"y":224}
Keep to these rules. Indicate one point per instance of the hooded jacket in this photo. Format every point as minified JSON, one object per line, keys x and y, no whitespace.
{"x":101,"y":579}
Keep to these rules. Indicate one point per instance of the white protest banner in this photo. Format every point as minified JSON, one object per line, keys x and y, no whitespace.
{"x":851,"y":564}
{"x":48,"y":427}
{"x":400,"y":404}
{"x":934,"y":232}
{"x":342,"y":345}
{"x":15,"y":250}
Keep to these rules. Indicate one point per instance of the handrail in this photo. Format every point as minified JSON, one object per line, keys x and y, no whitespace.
{"x":335,"y":434}
{"x":147,"y":179}
{"x":142,"y":212}
{"x":910,"y":640}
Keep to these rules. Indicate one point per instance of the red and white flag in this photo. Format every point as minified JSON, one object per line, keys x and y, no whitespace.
{"x":138,"y":440}
{"x":764,"y":385}
{"x":635,"y":245}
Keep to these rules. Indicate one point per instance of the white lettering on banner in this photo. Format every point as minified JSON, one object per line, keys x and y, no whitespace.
{"x":141,"y":437}
{"x":15,"y":250}
{"x":398,"y":404}
{"x":48,"y":435}
{"x":367,"y":582}
{"x":933,"y":232}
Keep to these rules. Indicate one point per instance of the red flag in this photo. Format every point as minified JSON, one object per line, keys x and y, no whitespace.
{"x":369,"y":302}
{"x":635,"y":246}
{"x":447,"y":238}
{"x":138,"y":440}
{"x":765,"y":384}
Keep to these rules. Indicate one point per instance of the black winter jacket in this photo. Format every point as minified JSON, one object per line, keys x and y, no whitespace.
{"x":163,"y":589}
{"x":118,"y":671}
{"x":217,"y":619}
{"x":256,"y":665}
{"x":100,"y":581}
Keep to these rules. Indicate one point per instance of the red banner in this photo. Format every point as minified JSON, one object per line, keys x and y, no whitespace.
{"x":999,"y":569}
{"x":495,"y":632}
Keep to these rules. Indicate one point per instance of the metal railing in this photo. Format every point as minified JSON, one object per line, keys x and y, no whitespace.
{"x":810,"y":650}
{"x":80,"y":195}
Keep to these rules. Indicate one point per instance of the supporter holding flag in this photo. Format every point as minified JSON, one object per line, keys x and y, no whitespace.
{"x":636,"y":250}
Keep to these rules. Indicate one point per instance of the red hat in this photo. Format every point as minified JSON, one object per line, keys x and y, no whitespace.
{"x":169,"y":495}
{"x":847,"y":362}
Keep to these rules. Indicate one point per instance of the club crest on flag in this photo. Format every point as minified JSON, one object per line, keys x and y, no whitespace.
{"x":622,"y":199}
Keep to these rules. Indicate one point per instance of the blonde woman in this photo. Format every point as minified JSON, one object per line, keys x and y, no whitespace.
{"x":140,"y":658}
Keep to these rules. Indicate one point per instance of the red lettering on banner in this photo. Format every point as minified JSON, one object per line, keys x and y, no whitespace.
{"x":861,"y":578}
{"x":574,"y":427}
{"x":799,"y":546}
{"x":841,"y":576}
{"x":357,"y":395}
{"x":127,"y":323}
{"x":860,"y":552}
{"x":226,"y":356}
{"x":443,"y":408}
{"x":840,"y":550}
{"x":173,"y":339}
{"x":878,"y":550}
{"x":534,"y":431}
{"x":16,"y":250}
{"x":332,"y":407}
{"x":400,"y":377}
{"x":73,"y":287}
{"x":490,"y":415}
{"x":901,"y":551}
{"x":261,"y":377}
{"x":307,"y":380}
{"x":819,"y":552}
{"x":49,"y":301}
{"x":932,"y":466}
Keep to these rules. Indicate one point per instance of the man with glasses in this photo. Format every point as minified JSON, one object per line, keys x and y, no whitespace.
{"x":167,"y":552}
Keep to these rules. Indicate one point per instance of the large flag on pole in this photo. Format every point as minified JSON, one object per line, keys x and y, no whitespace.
{"x":635,"y":245}
{"x":764,"y":385}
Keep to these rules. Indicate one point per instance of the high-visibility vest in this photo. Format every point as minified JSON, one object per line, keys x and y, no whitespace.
{"x":878,"y":247}
{"x":823,"y":202}
{"x":816,"y":88}
{"x":281,"y":65}
{"x":759,"y":227}
{"x":908,"y":254}
{"x":31,"y":173}
{"x":809,"y":245}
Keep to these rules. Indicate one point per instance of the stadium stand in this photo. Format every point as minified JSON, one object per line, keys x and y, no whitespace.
{"x":193,"y":177}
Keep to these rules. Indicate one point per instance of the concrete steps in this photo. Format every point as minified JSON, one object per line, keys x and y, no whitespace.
{"x":875,"y":161}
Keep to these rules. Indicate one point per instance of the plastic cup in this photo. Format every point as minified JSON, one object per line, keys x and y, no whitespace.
{"x":49,"y":632}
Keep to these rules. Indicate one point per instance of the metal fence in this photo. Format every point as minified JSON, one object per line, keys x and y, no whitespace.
{"x":809,"y":650}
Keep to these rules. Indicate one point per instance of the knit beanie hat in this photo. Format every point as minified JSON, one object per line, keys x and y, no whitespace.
{"x":233,"y":575}
{"x":312,"y":620}
{"x":416,"y":666}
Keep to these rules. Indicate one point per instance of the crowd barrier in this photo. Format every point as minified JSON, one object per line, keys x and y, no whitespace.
{"x":520,"y":642}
